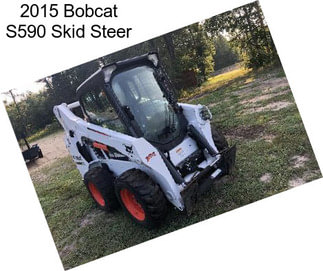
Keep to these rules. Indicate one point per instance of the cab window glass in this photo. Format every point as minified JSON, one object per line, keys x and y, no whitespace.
{"x":100,"y":111}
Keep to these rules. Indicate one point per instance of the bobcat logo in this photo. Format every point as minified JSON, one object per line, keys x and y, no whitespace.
{"x":128,"y":148}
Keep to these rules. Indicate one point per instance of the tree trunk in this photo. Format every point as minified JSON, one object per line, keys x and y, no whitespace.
{"x":168,"y":38}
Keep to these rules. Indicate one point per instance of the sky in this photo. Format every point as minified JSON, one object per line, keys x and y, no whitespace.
{"x":33,"y":87}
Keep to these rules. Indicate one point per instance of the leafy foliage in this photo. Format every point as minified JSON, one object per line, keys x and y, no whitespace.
{"x":37,"y":108}
{"x":225,"y":55}
{"x":248,"y":33}
{"x":199,"y":52}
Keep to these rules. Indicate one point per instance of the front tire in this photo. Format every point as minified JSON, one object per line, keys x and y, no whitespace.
{"x":141,"y":198}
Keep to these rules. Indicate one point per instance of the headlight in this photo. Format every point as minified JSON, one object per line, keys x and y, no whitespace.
{"x":205,"y":113}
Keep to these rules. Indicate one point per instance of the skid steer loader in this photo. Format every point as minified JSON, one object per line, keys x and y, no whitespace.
{"x":137,"y":147}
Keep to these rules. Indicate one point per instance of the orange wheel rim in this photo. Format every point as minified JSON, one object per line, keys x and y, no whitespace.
{"x":132,"y":205}
{"x":96,"y":194}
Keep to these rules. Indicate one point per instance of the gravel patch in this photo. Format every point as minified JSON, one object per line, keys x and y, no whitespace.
{"x":298,"y":161}
{"x":90,"y":218}
{"x":307,"y":176}
{"x":53,"y":147}
{"x":276,"y":106}
{"x":268,"y":85}
{"x":266,"y":178}
{"x":262,"y":97}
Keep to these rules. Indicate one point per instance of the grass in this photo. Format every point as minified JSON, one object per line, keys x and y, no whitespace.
{"x":266,"y":141}
{"x":215,"y":82}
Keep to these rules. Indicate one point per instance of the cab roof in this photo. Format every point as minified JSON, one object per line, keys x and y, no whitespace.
{"x":99,"y":77}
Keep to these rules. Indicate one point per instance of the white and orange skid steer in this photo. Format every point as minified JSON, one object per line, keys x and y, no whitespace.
{"x":137,"y":147}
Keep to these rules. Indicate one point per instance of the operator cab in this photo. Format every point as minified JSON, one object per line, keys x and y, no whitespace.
{"x":135,"y":97}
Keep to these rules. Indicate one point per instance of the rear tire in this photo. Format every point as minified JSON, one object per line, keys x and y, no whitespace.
{"x":141,"y":198}
{"x":219,"y":140}
{"x":99,"y":182}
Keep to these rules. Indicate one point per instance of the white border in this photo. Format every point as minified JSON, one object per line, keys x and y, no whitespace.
{"x":280,"y":232}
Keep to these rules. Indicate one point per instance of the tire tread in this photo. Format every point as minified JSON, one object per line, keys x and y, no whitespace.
{"x":149,"y":193}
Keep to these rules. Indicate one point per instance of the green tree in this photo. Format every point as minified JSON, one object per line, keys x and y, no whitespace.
{"x":248,"y":33}
{"x":195,"y":51}
{"x":225,"y":54}
{"x":37,"y":108}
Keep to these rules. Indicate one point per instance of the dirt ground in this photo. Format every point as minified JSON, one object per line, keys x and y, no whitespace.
{"x":53,"y":147}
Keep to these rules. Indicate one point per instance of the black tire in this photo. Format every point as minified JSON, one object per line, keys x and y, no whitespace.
{"x":40,"y":154}
{"x":145,"y":192}
{"x":100,"y":184}
{"x":219,"y":140}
